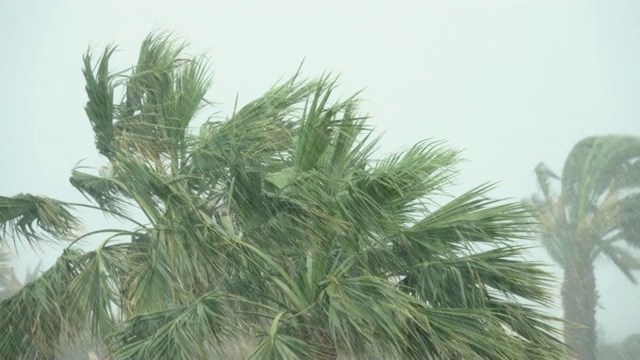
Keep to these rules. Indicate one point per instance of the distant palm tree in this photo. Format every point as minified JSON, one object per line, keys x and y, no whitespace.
{"x":9,"y":282}
{"x":276,"y":226}
{"x":596,"y":212}
{"x":7,"y":275}
{"x":626,"y":350}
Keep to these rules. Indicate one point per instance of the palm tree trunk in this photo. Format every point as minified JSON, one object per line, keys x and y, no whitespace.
{"x":579,"y":299}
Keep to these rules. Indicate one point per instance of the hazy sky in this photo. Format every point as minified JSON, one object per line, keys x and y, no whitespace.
{"x":513,"y":83}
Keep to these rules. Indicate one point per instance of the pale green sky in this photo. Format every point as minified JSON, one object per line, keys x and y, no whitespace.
{"x":512,"y":82}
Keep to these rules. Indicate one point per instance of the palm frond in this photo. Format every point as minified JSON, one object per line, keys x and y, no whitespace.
{"x":30,"y":218}
{"x":163,"y":94}
{"x":628,"y":219}
{"x":177,"y":332}
{"x":473,"y":217}
{"x":278,"y":345}
{"x":393,"y":185}
{"x":604,"y":158}
{"x":7,"y":275}
{"x":99,"y":108}
{"x":33,"y":320}
{"x":95,"y":291}
{"x":623,"y":259}
{"x":544,"y":175}
{"x":314,"y":134}
{"x":104,"y":191}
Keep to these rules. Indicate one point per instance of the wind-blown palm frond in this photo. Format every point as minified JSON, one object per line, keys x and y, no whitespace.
{"x":28,"y":217}
{"x":178,"y":332}
{"x":99,"y":108}
{"x":38,"y":310}
{"x":103,"y":190}
{"x":96,"y":290}
{"x":163,"y":94}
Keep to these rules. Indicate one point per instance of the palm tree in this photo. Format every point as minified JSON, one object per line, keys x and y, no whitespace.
{"x":596,"y":213}
{"x":275,"y":225}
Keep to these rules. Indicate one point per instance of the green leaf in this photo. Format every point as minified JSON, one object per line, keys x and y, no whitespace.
{"x":31,"y":218}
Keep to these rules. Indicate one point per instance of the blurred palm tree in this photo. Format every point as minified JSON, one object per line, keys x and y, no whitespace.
{"x":595,"y":214}
{"x":7,"y":275}
{"x":9,"y":282}
{"x":626,"y":350}
{"x":276,"y":226}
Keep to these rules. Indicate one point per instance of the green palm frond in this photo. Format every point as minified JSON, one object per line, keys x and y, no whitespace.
{"x":163,"y":94}
{"x":104,"y":191}
{"x":38,"y":310}
{"x":100,"y":108}
{"x":277,"y":344}
{"x":316,"y":126}
{"x":95,"y":291}
{"x":178,"y":332}
{"x":32,"y":218}
{"x":393,"y":185}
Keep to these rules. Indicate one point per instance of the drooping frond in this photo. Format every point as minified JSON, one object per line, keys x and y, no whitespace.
{"x":104,"y":191}
{"x":93,"y":294}
{"x":33,"y":320}
{"x":281,"y":346}
{"x":31,"y":218}
{"x":624,"y":260}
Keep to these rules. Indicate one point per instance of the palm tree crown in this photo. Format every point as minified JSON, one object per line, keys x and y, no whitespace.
{"x":275,"y":225}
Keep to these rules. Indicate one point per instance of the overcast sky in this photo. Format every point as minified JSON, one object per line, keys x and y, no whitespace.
{"x":513,"y":83}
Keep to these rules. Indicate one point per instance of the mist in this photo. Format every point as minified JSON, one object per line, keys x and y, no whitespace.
{"x":511,"y":83}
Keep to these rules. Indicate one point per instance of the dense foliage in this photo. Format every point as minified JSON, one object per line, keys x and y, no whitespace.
{"x":275,"y":226}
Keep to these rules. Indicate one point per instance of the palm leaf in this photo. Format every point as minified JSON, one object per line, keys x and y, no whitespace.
{"x":103,"y":190}
{"x":99,"y":108}
{"x":177,"y":332}
{"x":30,"y":218}
{"x":37,"y":313}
